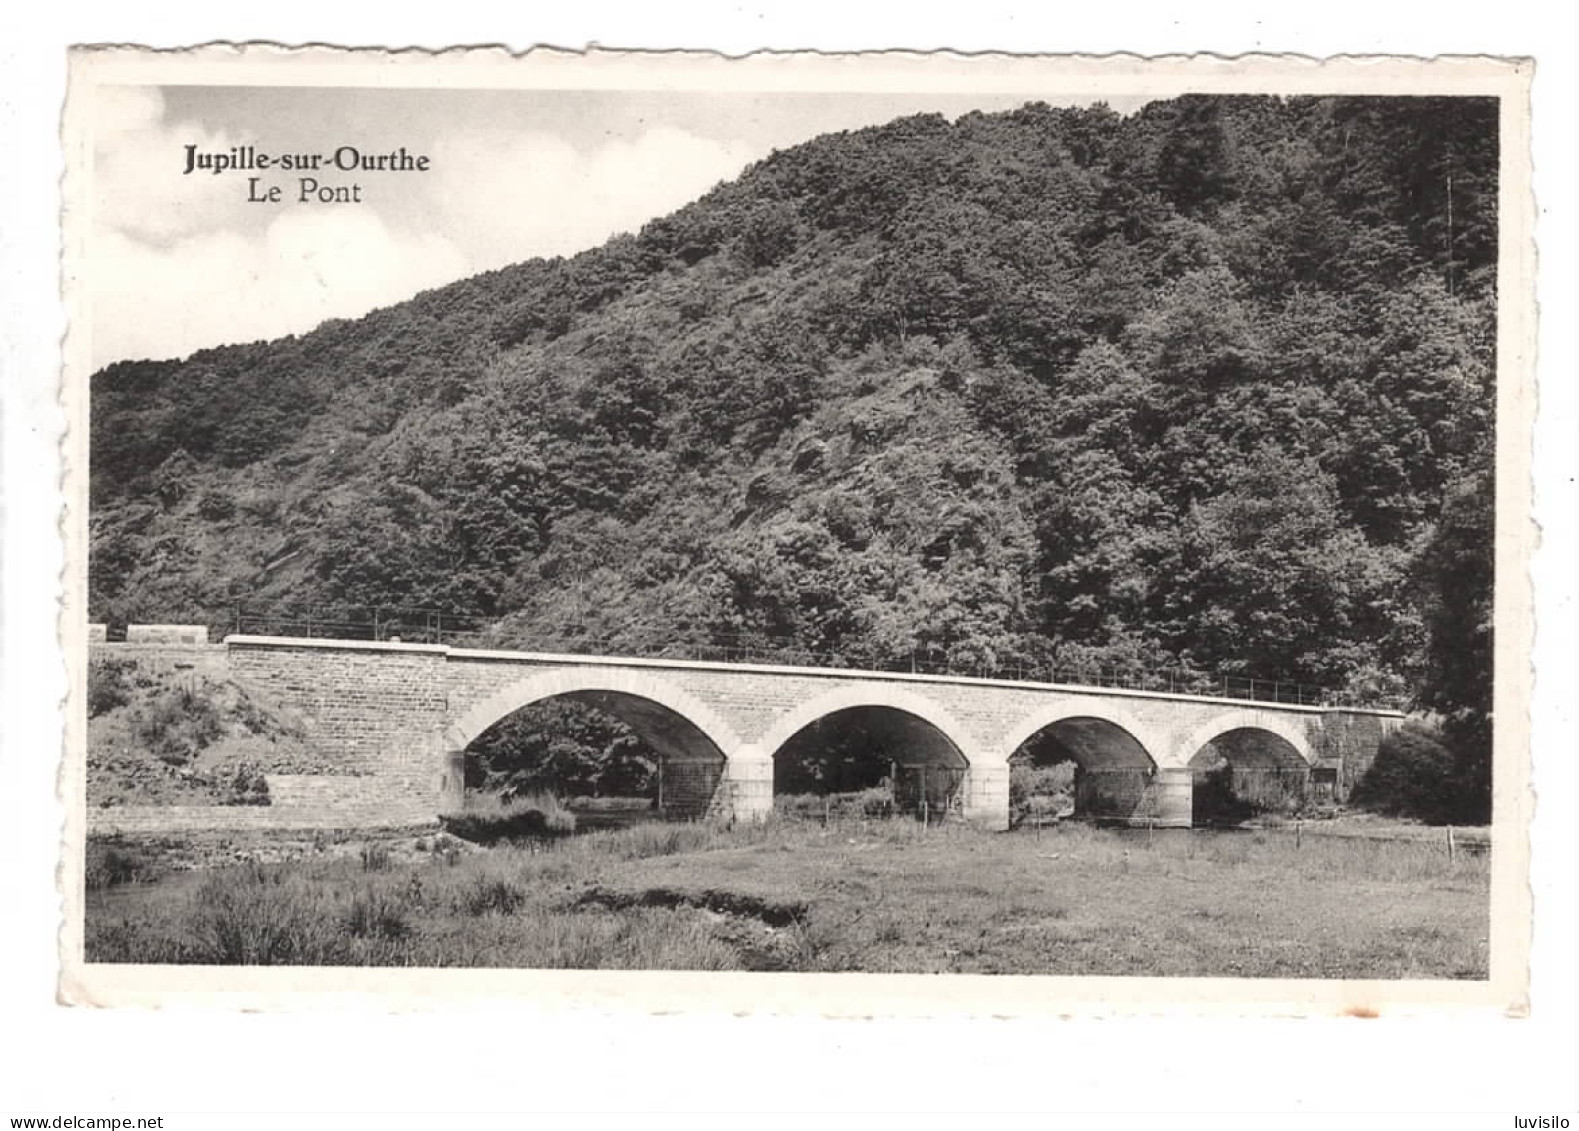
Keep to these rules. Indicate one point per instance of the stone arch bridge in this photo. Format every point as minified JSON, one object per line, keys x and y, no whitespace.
{"x":392,"y":723}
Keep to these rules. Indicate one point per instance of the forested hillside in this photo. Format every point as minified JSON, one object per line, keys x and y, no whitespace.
{"x":1210,"y":386}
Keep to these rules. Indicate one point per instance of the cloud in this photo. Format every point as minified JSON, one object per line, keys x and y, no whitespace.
{"x":506,"y":196}
{"x":152,"y":301}
{"x":184,"y":262}
{"x":138,"y":163}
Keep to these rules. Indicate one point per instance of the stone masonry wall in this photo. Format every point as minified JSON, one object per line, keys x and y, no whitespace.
{"x":374,"y":712}
{"x":986,"y":718}
{"x":210,"y":661}
{"x":688,"y":787}
{"x":205,"y":818}
{"x":167,"y":634}
{"x":380,"y":710}
{"x":1348,"y":741}
{"x":387,"y":711}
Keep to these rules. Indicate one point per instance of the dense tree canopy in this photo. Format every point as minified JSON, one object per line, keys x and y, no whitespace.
{"x":1206,"y":386}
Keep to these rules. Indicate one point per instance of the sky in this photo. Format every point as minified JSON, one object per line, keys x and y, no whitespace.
{"x":183,"y":261}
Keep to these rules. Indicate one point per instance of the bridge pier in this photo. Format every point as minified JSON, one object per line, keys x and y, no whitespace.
{"x":1162,"y":796}
{"x":452,"y":782}
{"x":1173,"y":798}
{"x":987,"y":797}
{"x":746,"y":792}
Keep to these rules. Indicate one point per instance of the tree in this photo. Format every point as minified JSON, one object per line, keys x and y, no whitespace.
{"x":1413,"y":775}
{"x":562,"y":747}
{"x":1267,"y":579}
{"x":1193,"y":166}
{"x":1183,"y":387}
{"x":1456,"y":571}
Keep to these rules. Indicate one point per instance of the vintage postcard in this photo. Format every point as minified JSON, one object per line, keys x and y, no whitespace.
{"x":863,"y":535}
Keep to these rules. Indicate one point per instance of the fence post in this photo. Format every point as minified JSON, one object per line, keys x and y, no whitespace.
{"x":1299,"y":827}
{"x":1450,"y":845}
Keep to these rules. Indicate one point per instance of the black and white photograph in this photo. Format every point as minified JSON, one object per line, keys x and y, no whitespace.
{"x":977,"y":520}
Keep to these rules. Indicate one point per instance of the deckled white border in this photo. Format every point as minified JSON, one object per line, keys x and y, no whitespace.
{"x":843,"y":995}
{"x":1098,"y":1066}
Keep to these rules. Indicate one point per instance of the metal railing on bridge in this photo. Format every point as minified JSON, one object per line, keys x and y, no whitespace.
{"x":433,"y":626}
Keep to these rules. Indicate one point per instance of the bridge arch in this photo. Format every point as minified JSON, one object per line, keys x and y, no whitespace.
{"x":1099,"y":761}
{"x":857,"y":696}
{"x":1259,"y":731}
{"x":859,"y":736}
{"x":1244,"y":762}
{"x":1114,"y":719}
{"x":606,"y":687}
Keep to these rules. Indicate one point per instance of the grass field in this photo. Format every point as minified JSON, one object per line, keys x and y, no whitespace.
{"x":881,"y":896}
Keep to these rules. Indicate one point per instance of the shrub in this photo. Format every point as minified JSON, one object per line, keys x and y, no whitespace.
{"x":261,"y":916}
{"x":109,"y":684}
{"x":1216,"y":801}
{"x":248,"y":786}
{"x":878,"y":801}
{"x":535,"y":817}
{"x":1414,"y":775}
{"x":1041,"y":791}
{"x":487,"y":895}
{"x":178,"y":724}
{"x":216,"y":506}
{"x":375,"y":858}
{"x":106,"y":865}
{"x":376,"y":914}
{"x":875,"y":802}
{"x":610,"y":804}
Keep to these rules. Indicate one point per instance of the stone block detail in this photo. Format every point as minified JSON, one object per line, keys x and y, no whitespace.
{"x":209,"y":661}
{"x":745,"y":793}
{"x":215,"y":818}
{"x":370,"y":710}
{"x":987,"y":797}
{"x":167,"y":634}
{"x":322,"y":791}
{"x":1346,"y":741}
{"x":689,"y":788}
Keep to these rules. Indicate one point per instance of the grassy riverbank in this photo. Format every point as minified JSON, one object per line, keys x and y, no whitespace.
{"x":880,"y":896}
